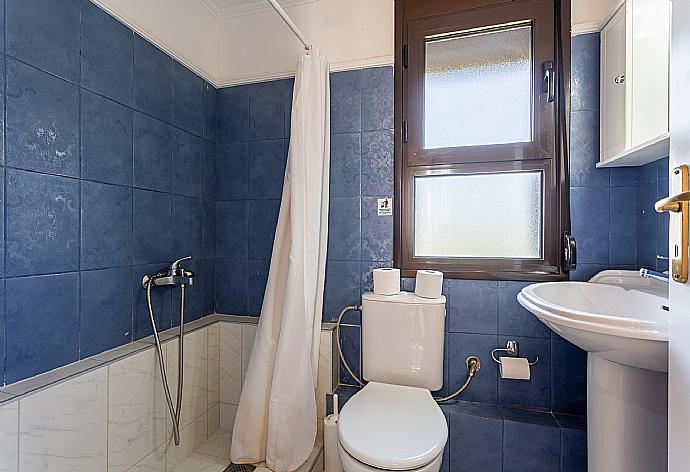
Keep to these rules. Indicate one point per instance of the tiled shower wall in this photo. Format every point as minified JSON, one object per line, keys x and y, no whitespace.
{"x":107,"y":172}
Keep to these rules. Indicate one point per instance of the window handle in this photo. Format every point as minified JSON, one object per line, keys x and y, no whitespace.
{"x":548,"y":81}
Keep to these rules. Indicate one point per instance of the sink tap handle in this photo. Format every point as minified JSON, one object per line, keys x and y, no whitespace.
{"x":174,"y":266}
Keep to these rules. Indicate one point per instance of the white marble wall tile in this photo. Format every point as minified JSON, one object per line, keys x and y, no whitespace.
{"x":195,"y":385}
{"x":248,"y":333}
{"x":324,"y":383}
{"x":154,"y":462}
{"x":64,"y":428}
{"x":137,"y":410}
{"x":230,"y":363}
{"x":213,"y":419}
{"x":218,"y":444}
{"x":213,"y":365}
{"x":192,"y":437}
{"x":9,"y":437}
{"x":227,"y":416}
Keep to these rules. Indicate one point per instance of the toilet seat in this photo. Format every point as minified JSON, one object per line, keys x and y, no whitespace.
{"x":392,"y":427}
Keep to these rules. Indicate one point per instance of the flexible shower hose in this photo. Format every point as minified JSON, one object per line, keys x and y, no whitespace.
{"x":174,"y":411}
{"x":473,"y":362}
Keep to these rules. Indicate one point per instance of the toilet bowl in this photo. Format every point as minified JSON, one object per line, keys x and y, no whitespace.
{"x":391,"y":427}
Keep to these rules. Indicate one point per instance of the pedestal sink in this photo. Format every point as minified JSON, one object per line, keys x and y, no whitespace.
{"x":621,"y":320}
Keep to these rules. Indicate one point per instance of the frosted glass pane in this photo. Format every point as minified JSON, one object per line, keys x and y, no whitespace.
{"x":478,"y":215}
{"x":478,"y":89}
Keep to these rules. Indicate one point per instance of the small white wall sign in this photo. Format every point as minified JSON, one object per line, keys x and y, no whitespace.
{"x":385,"y":206}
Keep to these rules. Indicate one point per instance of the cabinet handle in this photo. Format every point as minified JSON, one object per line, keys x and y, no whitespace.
{"x":620,"y":79}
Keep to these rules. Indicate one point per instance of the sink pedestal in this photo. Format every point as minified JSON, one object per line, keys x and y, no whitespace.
{"x":626,"y":417}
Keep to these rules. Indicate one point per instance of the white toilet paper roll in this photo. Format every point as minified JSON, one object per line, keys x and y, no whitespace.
{"x":515,"y":368}
{"x":387,"y":281}
{"x":331,"y":462}
{"x":429,"y":283}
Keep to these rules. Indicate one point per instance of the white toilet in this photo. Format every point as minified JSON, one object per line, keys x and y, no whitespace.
{"x":393,"y":423}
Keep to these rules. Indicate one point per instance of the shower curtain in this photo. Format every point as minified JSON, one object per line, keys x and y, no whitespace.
{"x":276,"y":419}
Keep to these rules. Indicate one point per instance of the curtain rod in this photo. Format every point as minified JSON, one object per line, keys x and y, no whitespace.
{"x":286,"y":18}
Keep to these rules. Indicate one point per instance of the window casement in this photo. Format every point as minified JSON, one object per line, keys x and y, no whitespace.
{"x":480,"y":169}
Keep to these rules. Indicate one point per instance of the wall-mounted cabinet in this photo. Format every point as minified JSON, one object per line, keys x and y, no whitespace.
{"x":634,"y":84}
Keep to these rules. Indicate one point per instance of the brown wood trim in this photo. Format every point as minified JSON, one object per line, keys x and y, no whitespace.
{"x":527,"y":270}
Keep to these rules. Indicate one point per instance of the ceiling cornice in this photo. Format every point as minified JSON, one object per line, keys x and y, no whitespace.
{"x":247,"y":7}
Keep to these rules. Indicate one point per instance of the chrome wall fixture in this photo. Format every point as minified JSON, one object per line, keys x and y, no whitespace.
{"x":173,"y":275}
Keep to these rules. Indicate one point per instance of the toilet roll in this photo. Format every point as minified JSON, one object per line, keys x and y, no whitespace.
{"x":387,"y":281}
{"x":331,"y":461}
{"x":514,"y":368}
{"x":429,"y":283}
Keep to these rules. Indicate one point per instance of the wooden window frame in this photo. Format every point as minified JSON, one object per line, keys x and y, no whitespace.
{"x":416,"y":20}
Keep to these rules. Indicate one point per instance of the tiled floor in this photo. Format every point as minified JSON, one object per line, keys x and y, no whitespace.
{"x":214,"y":456}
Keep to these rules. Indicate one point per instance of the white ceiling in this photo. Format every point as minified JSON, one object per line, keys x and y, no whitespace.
{"x":588,"y":15}
{"x":231,"y":8}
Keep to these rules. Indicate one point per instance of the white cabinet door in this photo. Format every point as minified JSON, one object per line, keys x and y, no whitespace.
{"x":613,"y":42}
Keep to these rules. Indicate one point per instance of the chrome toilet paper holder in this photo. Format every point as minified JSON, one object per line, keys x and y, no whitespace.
{"x":512,"y":349}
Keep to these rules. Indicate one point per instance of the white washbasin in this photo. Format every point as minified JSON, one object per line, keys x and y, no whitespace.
{"x":617,"y":314}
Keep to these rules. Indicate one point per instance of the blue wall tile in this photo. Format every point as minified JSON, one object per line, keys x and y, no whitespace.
{"x":42,"y":315}
{"x":187,"y":175}
{"x":342,"y":287}
{"x":289,"y":86}
{"x":377,"y":98}
{"x":535,"y":393}
{"x":590,"y":223}
{"x":106,"y":310}
{"x":473,"y":306}
{"x":208,"y":230}
{"x":107,"y":54}
{"x":232,"y":229}
{"x":573,"y":450}
{"x":345,"y":165}
{"x":351,"y":344}
{"x":513,"y":319}
{"x":267,"y":160}
{"x":459,"y":346}
{"x":344,"y":243}
{"x":233,"y":114}
{"x":257,"y":278}
{"x":346,"y":101}
{"x":45,"y":34}
{"x":263,"y":217}
{"x":584,"y":151}
{"x":160,"y":301}
{"x":187,"y":217}
{"x":585,"y":72}
{"x":646,"y":225}
{"x":232,"y":171}
{"x":188,"y":100}
{"x":530,"y":447}
{"x":42,"y":121}
{"x":266,"y":110}
{"x":231,"y":290}
{"x":377,"y":232}
{"x":623,"y":235}
{"x":210,"y":112}
{"x":569,"y":368}
{"x":152,"y":227}
{"x":57,"y":223}
{"x":208,"y":276}
{"x":474,"y":443}
{"x":106,"y":140}
{"x":2,"y":330}
{"x":153,"y":80}
{"x":152,"y":154}
{"x":208,"y":189}
{"x":42,"y":234}
{"x":106,"y":225}
{"x":377,"y":163}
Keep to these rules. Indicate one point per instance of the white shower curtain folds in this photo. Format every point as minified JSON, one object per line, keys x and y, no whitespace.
{"x":276,"y":419}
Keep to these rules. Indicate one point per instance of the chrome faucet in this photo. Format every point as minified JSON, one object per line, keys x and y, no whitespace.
{"x":175,"y":274}
{"x":653,"y":274}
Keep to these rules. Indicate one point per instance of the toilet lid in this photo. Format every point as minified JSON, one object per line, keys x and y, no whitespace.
{"x":392,"y":427}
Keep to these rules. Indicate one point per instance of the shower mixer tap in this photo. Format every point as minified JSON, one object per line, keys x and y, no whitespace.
{"x":175,"y":274}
